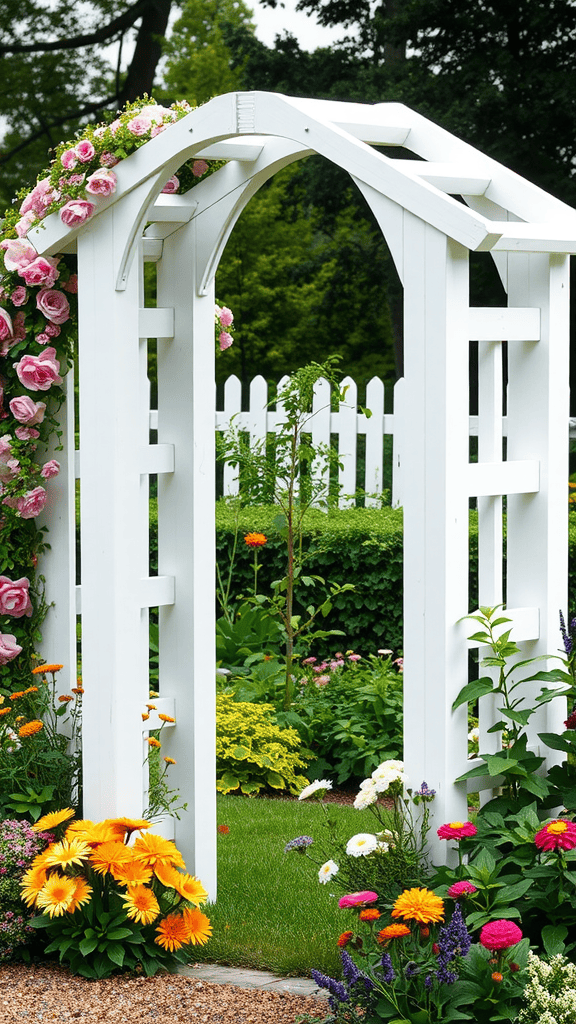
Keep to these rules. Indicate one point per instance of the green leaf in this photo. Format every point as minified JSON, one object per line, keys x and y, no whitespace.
{"x":555,"y":742}
{"x":115,"y":953}
{"x":88,"y":946}
{"x":472,"y":691}
{"x":553,"y":936}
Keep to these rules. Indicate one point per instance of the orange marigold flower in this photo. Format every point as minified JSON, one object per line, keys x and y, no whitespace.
{"x":151,"y":707}
{"x":57,"y":895}
{"x":110,"y":857}
{"x":30,"y":728}
{"x":5,"y":711}
{"x":255,"y":540}
{"x":198,"y":927}
{"x":90,"y":833}
{"x":145,"y":716}
{"x":77,"y":689}
{"x":369,"y":914}
{"x":65,"y":698}
{"x":141,"y":904}
{"x":172,"y":932}
{"x":153,"y":742}
{"x":170,"y":760}
{"x":345,"y":939}
{"x":16,"y":694}
{"x":167,"y":874}
{"x":165,"y":718}
{"x":31,"y":689}
{"x":393,"y":931}
{"x":420,"y":905}
{"x":53,"y":818}
{"x":46,"y":668}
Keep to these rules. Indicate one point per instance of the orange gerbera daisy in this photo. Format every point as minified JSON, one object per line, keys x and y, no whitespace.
{"x":393,"y":931}
{"x":82,"y":893}
{"x":30,"y":728}
{"x":151,"y":848}
{"x":420,"y":905}
{"x":91,"y":833}
{"x":57,"y":895}
{"x":191,"y":889}
{"x":172,"y":932}
{"x":52,"y":819}
{"x":32,"y":882}
{"x":69,"y":851}
{"x":133,"y":872}
{"x":46,"y":668}
{"x":122,"y":827}
{"x":255,"y":540}
{"x":141,"y":904}
{"x":167,"y":874}
{"x":198,"y":927}
{"x":110,"y":857}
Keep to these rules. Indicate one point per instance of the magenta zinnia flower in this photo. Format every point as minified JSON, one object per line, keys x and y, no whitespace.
{"x":457,"y":830}
{"x":358,"y":899}
{"x":498,"y":935}
{"x":461,"y":889}
{"x":556,"y":835}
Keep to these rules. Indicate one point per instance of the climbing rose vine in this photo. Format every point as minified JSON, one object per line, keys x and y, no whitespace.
{"x":38,"y":334}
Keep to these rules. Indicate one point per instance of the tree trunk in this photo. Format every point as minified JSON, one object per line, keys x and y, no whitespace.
{"x":140,"y":77}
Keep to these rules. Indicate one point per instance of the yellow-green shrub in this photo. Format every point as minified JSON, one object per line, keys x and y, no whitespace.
{"x":252,"y":752}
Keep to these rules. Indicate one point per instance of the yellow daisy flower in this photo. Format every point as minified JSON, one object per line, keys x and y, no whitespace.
{"x":53,"y":818}
{"x":57,"y":895}
{"x":66,"y":853}
{"x":141,"y":904}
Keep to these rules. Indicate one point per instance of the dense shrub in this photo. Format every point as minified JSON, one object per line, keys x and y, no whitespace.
{"x":253,"y":752}
{"x":18,"y":847}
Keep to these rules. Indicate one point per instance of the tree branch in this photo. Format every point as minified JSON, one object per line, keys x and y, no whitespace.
{"x":119,"y":24}
{"x":89,"y":108}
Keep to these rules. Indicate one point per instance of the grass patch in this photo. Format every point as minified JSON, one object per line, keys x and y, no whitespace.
{"x":272,"y":913}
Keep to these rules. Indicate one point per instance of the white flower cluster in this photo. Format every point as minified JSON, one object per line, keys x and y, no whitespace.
{"x":315,"y":787}
{"x":550,"y":995}
{"x":379,"y":782}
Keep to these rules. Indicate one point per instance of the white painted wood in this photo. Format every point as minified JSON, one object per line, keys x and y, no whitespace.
{"x":232,"y":406}
{"x":157,"y":458}
{"x":499,"y":323}
{"x":320,"y":433}
{"x":171,"y":209}
{"x":258,"y":412}
{"x":186,"y":548}
{"x":448,"y":177}
{"x":435,"y":459}
{"x":400,"y":433}
{"x":161,"y":706}
{"x":488,"y":478}
{"x":233,"y":149}
{"x":524,"y":625}
{"x":374,"y":428}
{"x":346,"y":418}
{"x":156,"y":591}
{"x":155,"y":322}
{"x":152,"y":249}
{"x":113,"y":506}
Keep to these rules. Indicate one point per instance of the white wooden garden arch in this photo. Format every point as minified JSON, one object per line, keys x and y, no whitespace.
{"x":430,"y":234}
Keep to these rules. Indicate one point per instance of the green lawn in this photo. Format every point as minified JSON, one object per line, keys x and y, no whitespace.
{"x":272,"y":913}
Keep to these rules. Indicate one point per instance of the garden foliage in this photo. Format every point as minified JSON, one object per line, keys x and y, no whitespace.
{"x":253,"y":752}
{"x":19,"y":844}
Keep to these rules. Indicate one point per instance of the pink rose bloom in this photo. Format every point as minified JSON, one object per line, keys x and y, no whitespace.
{"x":50,"y":469}
{"x":101,"y":183}
{"x":52,"y":330}
{"x":74,"y":179}
{"x":9,"y":649}
{"x":39,"y":199}
{"x":42,"y":339}
{"x":225,"y":340}
{"x":76,"y":212}
{"x":155,"y":112}
{"x":71,"y":285}
{"x":108,"y":160}
{"x":19,"y":296}
{"x":85,"y":151}
{"x":5,"y":449}
{"x":14,"y":597}
{"x":464,"y":888}
{"x":6,"y":329}
{"x":25,"y":410}
{"x":39,"y":373}
{"x":18,"y":253}
{"x":139,"y":125}
{"x":457,"y":830}
{"x":226,"y":316}
{"x":115,"y":126}
{"x":42,"y":271}
{"x":69,"y":159}
{"x":27,"y":433}
{"x":18,"y":328}
{"x":25,"y":223}
{"x":497,"y":935}
{"x":32,"y":503}
{"x":54,"y":305}
{"x":172,"y":185}
{"x":199,"y":167}
{"x":157,"y":129}
{"x":358,"y":899}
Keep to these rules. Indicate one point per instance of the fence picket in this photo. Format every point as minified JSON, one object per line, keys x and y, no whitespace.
{"x":374,"y":428}
{"x":232,"y":406}
{"x":320,"y":429}
{"x":347,"y":420}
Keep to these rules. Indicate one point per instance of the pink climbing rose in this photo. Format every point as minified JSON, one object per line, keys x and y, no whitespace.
{"x":50,"y":469}
{"x":226,"y":316}
{"x":41,"y":271}
{"x":9,"y":649}
{"x":225,"y":340}
{"x":14,"y":597}
{"x":85,"y":151}
{"x":19,"y":296}
{"x":69,"y":159}
{"x":54,"y":305}
{"x":31,"y":504}
{"x":39,"y":373}
{"x":18,"y":253}
{"x":25,"y":410}
{"x":76,"y":212}
{"x":5,"y":325}
{"x":102,"y":182}
{"x":172,"y":185}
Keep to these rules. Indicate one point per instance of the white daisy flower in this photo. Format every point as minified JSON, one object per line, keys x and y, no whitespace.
{"x":367,"y":795}
{"x":314,"y":787}
{"x":327,"y":871}
{"x":361,"y":845}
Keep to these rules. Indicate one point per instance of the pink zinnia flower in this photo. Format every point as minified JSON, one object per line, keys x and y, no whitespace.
{"x":498,"y":935}
{"x":461,"y":889}
{"x":358,"y":899}
{"x":557,"y":835}
{"x":457,"y":830}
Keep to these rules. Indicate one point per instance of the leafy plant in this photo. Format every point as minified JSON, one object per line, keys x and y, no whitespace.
{"x":19,"y":843}
{"x":253,"y":752}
